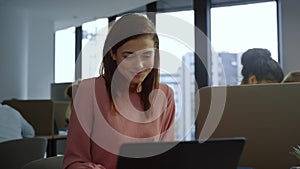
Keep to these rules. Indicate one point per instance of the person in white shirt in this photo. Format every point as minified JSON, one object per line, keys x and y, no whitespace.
{"x":13,"y":125}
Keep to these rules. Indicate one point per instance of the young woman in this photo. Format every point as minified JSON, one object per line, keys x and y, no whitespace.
{"x":126,"y":103}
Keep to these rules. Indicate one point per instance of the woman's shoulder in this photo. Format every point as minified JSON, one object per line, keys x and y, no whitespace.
{"x":92,"y":84}
{"x":166,"y":89}
{"x":93,"y":81}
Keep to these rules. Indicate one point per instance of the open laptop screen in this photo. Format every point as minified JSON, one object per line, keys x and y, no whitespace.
{"x":211,"y":154}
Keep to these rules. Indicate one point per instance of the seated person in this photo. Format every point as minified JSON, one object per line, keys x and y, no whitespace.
{"x":292,"y":77}
{"x":70,"y":92}
{"x":13,"y":125}
{"x":259,"y":67}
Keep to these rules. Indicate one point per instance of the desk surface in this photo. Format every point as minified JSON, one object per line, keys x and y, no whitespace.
{"x":56,"y":137}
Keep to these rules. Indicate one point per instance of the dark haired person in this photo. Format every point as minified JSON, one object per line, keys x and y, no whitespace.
{"x":126,"y":103}
{"x":259,"y":67}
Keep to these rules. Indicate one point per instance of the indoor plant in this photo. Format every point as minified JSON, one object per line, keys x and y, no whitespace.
{"x":296,"y":152}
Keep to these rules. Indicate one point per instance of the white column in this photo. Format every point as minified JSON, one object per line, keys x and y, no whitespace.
{"x":13,"y":56}
{"x":290,"y":26}
{"x":40,"y":57}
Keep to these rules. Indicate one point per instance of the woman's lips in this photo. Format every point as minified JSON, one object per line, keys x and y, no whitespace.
{"x":138,"y":74}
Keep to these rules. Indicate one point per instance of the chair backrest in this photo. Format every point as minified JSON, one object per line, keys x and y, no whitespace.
{"x":14,"y":154}
{"x":41,"y":114}
{"x":46,"y":163}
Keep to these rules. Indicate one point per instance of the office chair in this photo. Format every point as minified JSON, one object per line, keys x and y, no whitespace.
{"x":55,"y":162}
{"x":14,"y":154}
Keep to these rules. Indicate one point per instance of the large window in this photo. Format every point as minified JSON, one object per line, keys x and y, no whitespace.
{"x":235,"y":29}
{"x":93,"y":36}
{"x":177,"y":67}
{"x":64,"y":55}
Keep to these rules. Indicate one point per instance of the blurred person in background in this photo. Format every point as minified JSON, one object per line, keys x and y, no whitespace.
{"x":259,"y":67}
{"x":13,"y":125}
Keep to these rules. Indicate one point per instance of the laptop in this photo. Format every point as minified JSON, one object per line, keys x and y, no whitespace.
{"x":222,"y":153}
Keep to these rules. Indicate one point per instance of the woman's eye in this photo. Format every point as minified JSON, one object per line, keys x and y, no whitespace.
{"x":147,"y":56}
{"x":127,"y":56}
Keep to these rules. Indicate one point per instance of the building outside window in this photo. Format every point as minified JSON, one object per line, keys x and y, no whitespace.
{"x":177,"y":67}
{"x":93,"y":36}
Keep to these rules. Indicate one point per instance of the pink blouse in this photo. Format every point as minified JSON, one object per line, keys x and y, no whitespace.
{"x":96,"y":131}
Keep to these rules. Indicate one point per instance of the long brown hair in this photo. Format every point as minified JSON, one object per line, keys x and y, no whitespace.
{"x":128,"y":27}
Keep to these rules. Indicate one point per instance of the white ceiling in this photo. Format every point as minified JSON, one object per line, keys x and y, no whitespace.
{"x":66,"y":13}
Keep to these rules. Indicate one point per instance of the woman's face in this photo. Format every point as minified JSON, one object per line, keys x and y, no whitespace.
{"x":135,"y":58}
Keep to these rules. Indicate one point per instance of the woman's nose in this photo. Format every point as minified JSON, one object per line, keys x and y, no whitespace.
{"x":139,"y":63}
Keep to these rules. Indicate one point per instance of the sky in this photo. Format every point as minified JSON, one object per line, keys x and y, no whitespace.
{"x":239,"y":28}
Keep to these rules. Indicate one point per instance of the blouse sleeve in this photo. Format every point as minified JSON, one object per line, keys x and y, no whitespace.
{"x":77,"y":154}
{"x":168,"y":123}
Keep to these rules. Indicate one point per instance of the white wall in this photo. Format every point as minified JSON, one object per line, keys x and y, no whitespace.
{"x":26,"y":61}
{"x":13,"y":56}
{"x":290,"y":25}
{"x":41,"y":57}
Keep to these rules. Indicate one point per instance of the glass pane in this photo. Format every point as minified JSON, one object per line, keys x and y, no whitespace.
{"x":64,"y":55}
{"x":177,"y":67}
{"x":93,"y":36}
{"x":235,"y":29}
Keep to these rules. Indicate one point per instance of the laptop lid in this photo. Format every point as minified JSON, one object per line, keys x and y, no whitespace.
{"x":212,"y":154}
